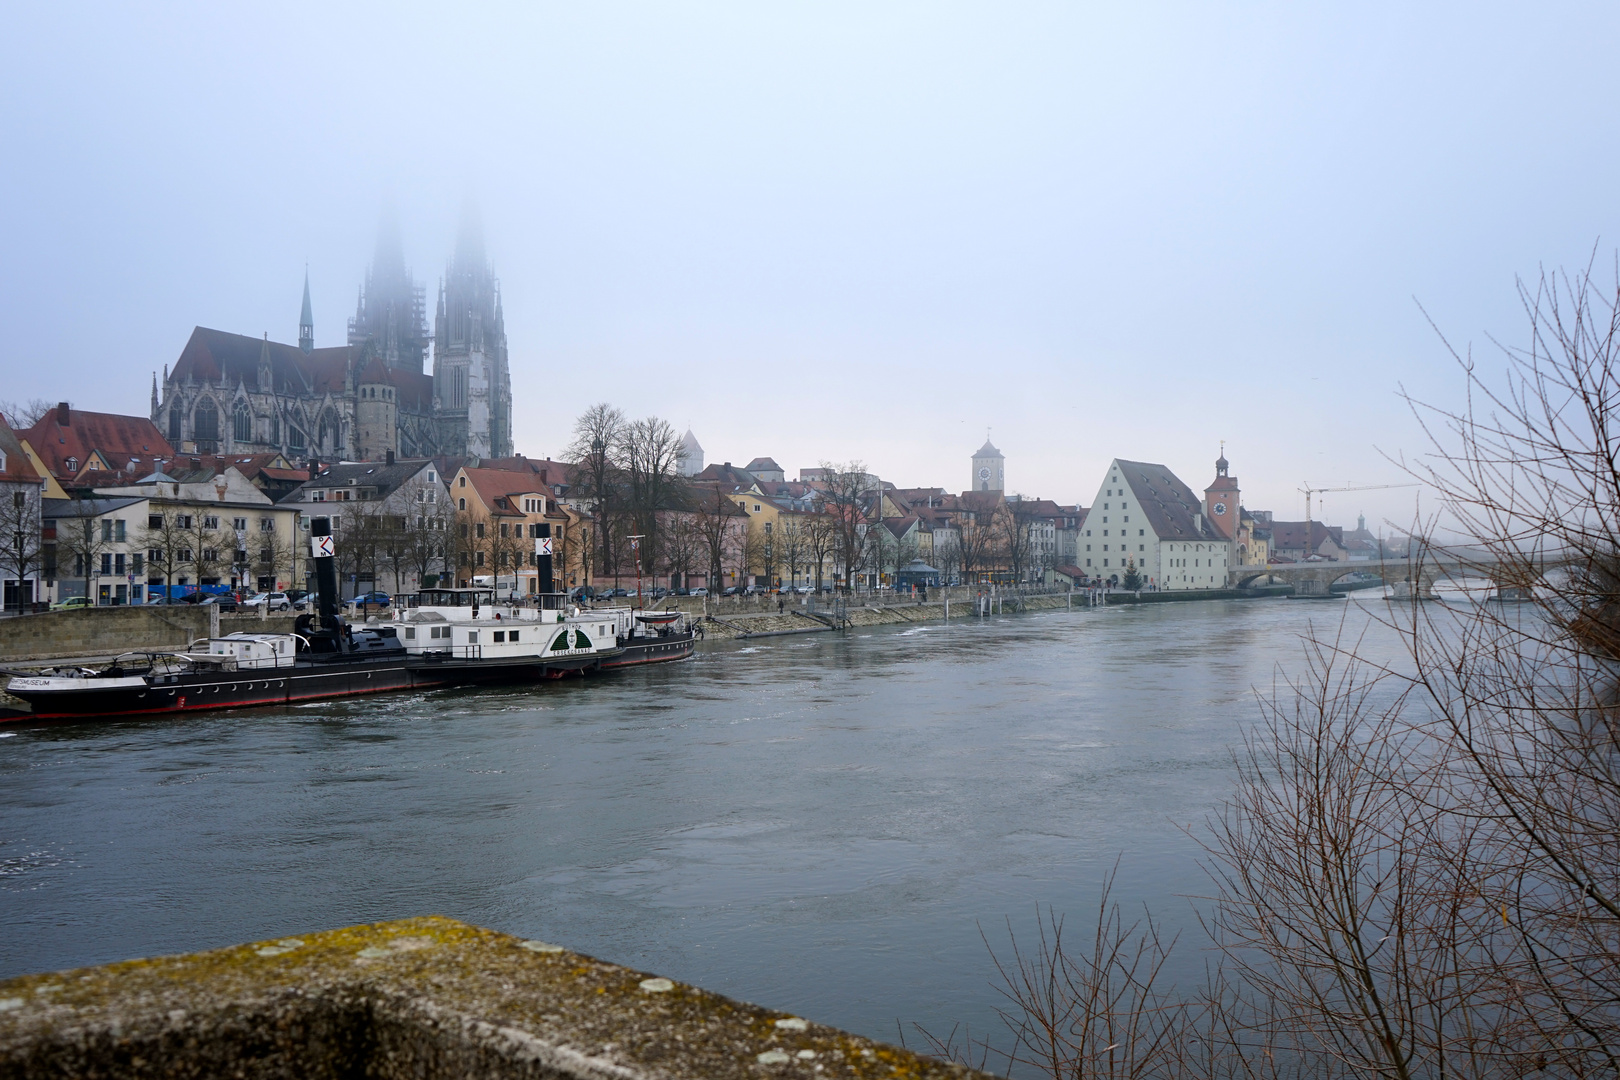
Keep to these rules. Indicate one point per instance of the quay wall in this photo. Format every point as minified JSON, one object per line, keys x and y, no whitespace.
{"x":107,"y":631}
{"x":422,"y":998}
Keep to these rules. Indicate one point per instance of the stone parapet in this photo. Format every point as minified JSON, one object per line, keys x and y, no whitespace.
{"x":107,"y":631}
{"x":421,"y":998}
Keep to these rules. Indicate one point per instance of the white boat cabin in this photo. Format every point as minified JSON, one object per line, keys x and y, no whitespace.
{"x":470,"y":623}
{"x":245,"y":652}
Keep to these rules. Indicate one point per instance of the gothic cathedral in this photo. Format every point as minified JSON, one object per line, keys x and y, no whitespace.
{"x":232,"y":394}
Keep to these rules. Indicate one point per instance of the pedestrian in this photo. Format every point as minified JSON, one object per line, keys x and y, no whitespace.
{"x":779,"y":607}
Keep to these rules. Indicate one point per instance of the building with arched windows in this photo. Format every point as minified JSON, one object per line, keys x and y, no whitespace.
{"x":237,"y":394}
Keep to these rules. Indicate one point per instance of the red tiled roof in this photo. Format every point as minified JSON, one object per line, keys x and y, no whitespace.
{"x":495,"y":485}
{"x":117,"y":438}
{"x":18,"y":470}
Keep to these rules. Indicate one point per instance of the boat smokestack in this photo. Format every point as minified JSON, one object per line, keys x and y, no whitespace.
{"x":542,"y":562}
{"x":325,"y":569}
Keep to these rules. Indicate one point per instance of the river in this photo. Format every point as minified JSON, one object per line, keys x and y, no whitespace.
{"x":818,"y":823}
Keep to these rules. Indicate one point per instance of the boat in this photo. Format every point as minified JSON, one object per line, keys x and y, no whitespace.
{"x":442,"y":637}
{"x":467,"y":635}
{"x":232,"y":671}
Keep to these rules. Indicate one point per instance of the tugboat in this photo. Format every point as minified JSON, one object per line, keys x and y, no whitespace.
{"x":324,"y":657}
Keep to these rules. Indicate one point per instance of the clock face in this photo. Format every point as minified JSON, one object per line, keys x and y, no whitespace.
{"x":984,"y":473}
{"x":1219,"y":508}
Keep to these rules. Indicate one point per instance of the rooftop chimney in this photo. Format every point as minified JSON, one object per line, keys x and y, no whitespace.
{"x":314,"y":468}
{"x":390,"y":457}
{"x":62,"y":413}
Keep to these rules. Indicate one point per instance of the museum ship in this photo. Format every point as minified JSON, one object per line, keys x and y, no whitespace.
{"x":442,"y":637}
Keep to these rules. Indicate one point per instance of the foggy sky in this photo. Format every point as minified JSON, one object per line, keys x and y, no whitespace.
{"x":835,"y":231}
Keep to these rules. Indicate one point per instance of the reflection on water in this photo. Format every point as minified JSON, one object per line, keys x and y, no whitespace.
{"x":818,"y":823}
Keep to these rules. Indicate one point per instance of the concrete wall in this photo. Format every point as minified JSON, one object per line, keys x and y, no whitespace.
{"x":106,"y":631}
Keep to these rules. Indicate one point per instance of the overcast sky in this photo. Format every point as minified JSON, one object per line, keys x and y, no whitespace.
{"x":835,"y":231}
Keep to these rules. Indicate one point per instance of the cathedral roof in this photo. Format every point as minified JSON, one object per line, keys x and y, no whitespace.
{"x":212,"y":354}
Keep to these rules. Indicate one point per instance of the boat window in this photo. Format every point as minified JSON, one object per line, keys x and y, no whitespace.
{"x":410,"y":633}
{"x":472,"y":637}
{"x":512,"y":635}
{"x":500,"y":635}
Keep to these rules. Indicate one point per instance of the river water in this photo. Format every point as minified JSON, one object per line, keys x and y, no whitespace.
{"x":818,"y":823}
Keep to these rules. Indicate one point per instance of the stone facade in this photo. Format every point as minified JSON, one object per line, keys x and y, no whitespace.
{"x":229,"y":393}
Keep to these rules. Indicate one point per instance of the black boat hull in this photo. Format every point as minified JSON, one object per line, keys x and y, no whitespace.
{"x":242,"y":689}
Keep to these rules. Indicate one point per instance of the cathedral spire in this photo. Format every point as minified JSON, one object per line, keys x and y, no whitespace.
{"x":306,"y":320}
{"x":154,"y":396}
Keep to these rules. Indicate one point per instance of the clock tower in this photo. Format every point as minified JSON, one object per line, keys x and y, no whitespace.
{"x":1222,"y":499}
{"x":988,"y":472}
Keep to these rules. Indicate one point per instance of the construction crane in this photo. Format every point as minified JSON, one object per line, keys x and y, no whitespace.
{"x":1308,"y":491}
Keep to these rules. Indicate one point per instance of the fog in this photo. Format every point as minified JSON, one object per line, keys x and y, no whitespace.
{"x":835,"y":231}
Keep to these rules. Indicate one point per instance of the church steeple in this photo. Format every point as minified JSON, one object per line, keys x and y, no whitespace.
{"x":306,"y":320}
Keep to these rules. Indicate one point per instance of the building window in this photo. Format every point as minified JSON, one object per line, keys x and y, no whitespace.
{"x":205,"y":422}
{"x":174,"y":425}
{"x":461,"y":504}
{"x":210,"y":521}
{"x":239,"y":524}
{"x":267,"y":524}
{"x":295,"y":437}
{"x":242,"y":422}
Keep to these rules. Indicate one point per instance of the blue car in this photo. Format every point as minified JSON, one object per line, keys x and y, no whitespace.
{"x":372,"y":599}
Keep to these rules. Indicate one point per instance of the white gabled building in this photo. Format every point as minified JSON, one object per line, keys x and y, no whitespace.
{"x":1143,"y":512}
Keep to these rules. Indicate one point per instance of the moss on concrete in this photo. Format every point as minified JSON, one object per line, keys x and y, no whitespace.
{"x":425,"y":997}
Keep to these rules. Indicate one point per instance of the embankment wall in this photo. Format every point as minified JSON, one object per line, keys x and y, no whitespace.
{"x":107,"y":631}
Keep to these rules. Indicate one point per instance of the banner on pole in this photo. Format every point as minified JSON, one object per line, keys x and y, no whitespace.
{"x":321,"y":547}
{"x":542,"y":546}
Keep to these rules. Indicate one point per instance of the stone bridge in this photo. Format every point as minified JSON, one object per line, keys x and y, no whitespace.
{"x":1413,"y":578}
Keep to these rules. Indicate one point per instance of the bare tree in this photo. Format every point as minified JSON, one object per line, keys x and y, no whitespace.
{"x":720,"y":525}
{"x":1418,"y":874}
{"x":792,"y":543}
{"x":681,"y":547}
{"x":841,"y":500}
{"x":596,"y":453}
{"x":22,"y":550}
{"x":24,"y":415}
{"x":650,"y":462}
{"x":82,"y":540}
{"x":821,"y":538}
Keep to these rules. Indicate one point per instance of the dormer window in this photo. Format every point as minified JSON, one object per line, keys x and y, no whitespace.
{"x":72,"y":464}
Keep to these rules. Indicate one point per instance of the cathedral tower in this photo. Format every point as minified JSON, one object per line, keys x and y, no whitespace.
{"x":392,"y":312}
{"x":472,"y":385}
{"x":306,"y":321}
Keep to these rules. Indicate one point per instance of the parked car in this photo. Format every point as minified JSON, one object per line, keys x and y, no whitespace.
{"x":730,"y":590}
{"x":275,"y":601}
{"x":224,"y":603}
{"x":755,"y":590}
{"x":616,"y":592}
{"x":366,"y":601}
{"x":581,"y":592}
{"x":302,"y":599}
{"x":699,"y":591}
{"x":72,"y":603}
